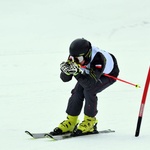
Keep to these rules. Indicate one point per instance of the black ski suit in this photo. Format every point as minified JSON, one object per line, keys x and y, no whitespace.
{"x":90,"y":82}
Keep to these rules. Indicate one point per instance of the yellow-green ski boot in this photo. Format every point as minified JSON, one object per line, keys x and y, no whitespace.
{"x":87,"y":126}
{"x":67,"y":126}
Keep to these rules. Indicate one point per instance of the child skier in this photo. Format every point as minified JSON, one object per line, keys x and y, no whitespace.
{"x":88,"y":65}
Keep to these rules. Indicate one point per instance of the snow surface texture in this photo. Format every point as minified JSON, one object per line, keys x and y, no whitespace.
{"x":34,"y":40}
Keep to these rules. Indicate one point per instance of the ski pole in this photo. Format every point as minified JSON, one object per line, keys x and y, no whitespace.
{"x":115,"y":78}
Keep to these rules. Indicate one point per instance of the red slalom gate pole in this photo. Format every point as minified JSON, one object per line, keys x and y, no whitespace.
{"x":137,"y":132}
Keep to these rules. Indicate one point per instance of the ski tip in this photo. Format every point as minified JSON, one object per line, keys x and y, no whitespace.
{"x":27,"y":132}
{"x":48,"y":135}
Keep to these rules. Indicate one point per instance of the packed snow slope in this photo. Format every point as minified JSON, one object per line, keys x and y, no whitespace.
{"x":34,"y":39}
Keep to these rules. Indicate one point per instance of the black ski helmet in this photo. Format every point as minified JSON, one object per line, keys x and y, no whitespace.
{"x":79,"y":47}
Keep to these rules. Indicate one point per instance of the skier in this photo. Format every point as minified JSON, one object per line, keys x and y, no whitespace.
{"x":88,"y":65}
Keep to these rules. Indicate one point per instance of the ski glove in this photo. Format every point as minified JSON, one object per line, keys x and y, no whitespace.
{"x":64,"y":67}
{"x":74,"y":68}
{"x":69,"y":68}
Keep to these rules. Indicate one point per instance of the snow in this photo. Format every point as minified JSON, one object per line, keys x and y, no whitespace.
{"x":34,"y":40}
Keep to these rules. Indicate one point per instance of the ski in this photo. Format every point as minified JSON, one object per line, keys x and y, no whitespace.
{"x":36,"y":135}
{"x":69,"y":135}
{"x":63,"y":136}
